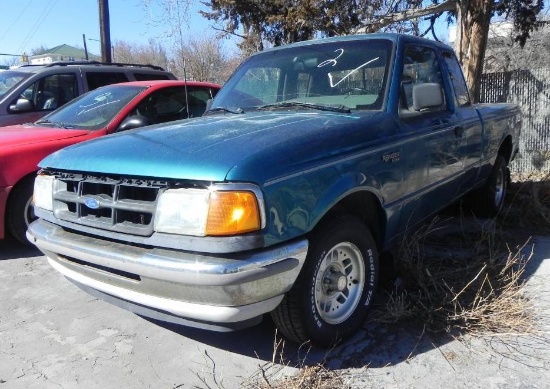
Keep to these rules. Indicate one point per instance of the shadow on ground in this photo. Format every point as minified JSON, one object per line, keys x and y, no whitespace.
{"x":377,"y":344}
{"x":11,"y":249}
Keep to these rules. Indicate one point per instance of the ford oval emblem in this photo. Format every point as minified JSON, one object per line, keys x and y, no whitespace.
{"x":91,"y":203}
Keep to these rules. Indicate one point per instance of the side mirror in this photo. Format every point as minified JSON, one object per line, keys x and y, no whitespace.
{"x":22,"y":105}
{"x":427,"y":95}
{"x":131,"y":122}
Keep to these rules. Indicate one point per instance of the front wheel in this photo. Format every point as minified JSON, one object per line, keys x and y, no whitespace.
{"x":335,"y":288}
{"x":20,"y":211}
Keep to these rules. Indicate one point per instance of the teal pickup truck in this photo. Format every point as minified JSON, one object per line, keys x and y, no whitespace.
{"x":312,"y":160}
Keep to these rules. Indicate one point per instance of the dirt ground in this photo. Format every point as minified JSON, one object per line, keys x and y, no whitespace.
{"x":53,"y":335}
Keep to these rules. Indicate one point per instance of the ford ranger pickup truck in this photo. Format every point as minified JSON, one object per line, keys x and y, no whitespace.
{"x":312,"y":160}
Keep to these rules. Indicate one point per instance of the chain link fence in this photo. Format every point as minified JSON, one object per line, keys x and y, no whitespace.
{"x":530,"y":89}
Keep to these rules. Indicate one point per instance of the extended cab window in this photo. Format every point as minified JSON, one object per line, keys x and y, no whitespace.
{"x":457,"y":78}
{"x":97,"y":79}
{"x":52,"y":92}
{"x":421,"y":82}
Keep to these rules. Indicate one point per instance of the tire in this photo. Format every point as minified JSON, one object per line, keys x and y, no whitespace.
{"x":489,"y":199}
{"x":20,"y":212}
{"x":330,"y":299}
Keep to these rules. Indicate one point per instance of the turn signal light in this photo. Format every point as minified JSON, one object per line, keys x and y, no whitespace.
{"x":232,"y":213}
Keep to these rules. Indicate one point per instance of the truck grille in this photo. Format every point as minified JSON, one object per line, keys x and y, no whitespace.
{"x":125,"y":205}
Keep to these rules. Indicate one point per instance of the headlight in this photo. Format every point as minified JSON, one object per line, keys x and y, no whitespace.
{"x":204,"y":212}
{"x":43,"y":192}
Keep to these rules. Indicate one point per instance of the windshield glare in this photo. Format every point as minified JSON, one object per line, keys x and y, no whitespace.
{"x":347,"y":73}
{"x":9,"y":79}
{"x":95,"y":109}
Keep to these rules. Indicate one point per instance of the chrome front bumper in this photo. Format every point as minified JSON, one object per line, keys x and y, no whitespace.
{"x":166,"y":283}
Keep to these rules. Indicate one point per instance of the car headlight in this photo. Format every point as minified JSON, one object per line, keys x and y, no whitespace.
{"x":203,"y":212}
{"x":43,"y":192}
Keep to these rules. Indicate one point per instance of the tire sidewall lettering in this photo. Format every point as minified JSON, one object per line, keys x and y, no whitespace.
{"x":313,"y":306}
{"x":370,"y":284}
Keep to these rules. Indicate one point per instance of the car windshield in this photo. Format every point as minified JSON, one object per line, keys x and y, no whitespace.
{"x":93,"y":110}
{"x":9,"y":79}
{"x":337,"y":76}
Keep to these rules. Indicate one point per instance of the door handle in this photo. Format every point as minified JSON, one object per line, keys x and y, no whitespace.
{"x":459,"y":131}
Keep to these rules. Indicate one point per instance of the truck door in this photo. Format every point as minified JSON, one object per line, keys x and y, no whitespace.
{"x":470,"y":124}
{"x":433,"y":148}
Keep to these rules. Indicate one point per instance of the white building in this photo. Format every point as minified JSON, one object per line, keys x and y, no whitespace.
{"x":61,"y":53}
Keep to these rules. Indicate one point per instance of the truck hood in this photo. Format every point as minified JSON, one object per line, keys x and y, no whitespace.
{"x":256,"y":146}
{"x":25,"y":134}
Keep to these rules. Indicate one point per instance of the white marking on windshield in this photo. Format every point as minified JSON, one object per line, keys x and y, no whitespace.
{"x":332,"y":85}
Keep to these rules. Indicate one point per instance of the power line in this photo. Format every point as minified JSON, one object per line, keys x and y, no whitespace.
{"x":15,"y":21}
{"x":45,"y":12}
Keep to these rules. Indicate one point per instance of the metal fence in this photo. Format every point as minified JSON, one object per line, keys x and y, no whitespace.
{"x":530,"y":89}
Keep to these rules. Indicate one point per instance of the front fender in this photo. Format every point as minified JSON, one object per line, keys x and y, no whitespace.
{"x":296,"y":205}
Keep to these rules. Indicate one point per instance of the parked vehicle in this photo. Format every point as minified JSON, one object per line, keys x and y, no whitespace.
{"x":29,"y":92}
{"x":312,"y":159}
{"x":100,"y":112}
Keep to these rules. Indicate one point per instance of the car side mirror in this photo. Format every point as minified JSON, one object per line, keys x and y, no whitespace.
{"x":427,"y":95}
{"x":22,"y":105}
{"x":131,"y":122}
{"x":208,"y":104}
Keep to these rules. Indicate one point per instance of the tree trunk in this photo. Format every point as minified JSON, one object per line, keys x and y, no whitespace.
{"x":473,"y":19}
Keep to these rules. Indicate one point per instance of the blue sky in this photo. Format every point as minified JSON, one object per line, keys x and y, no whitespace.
{"x":28,"y":24}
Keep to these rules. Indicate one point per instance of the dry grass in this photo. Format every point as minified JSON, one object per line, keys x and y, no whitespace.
{"x":272,"y":374}
{"x":458,"y":275}
{"x":465,"y":276}
{"x":470,"y":283}
{"x":308,"y":377}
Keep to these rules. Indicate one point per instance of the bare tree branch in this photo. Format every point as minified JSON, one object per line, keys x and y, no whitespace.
{"x":409,"y":14}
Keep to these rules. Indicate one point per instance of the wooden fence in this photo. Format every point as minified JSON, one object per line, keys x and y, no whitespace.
{"x":530,"y":89}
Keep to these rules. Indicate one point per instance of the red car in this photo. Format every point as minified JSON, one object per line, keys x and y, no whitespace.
{"x":103,"y":111}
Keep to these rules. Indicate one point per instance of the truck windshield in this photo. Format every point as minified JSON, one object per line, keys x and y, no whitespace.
{"x":9,"y":79}
{"x":337,"y":76}
{"x":93,"y":110}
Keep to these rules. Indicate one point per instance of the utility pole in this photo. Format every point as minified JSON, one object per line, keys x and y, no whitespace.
{"x":85,"y":47}
{"x":105,"y":30}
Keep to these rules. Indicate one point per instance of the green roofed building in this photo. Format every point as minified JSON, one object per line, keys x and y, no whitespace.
{"x":61,"y":53}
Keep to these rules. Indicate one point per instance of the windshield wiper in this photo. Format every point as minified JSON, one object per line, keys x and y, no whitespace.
{"x":297,"y":104}
{"x":45,"y":121}
{"x":65,"y":126}
{"x":54,"y":124}
{"x":223,"y":109}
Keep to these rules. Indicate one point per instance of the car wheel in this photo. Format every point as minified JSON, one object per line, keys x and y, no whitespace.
{"x":20,"y":211}
{"x":330,"y":299}
{"x":489,"y":199}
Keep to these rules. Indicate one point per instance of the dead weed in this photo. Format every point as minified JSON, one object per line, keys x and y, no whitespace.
{"x":457,"y":275}
{"x":464,"y":275}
